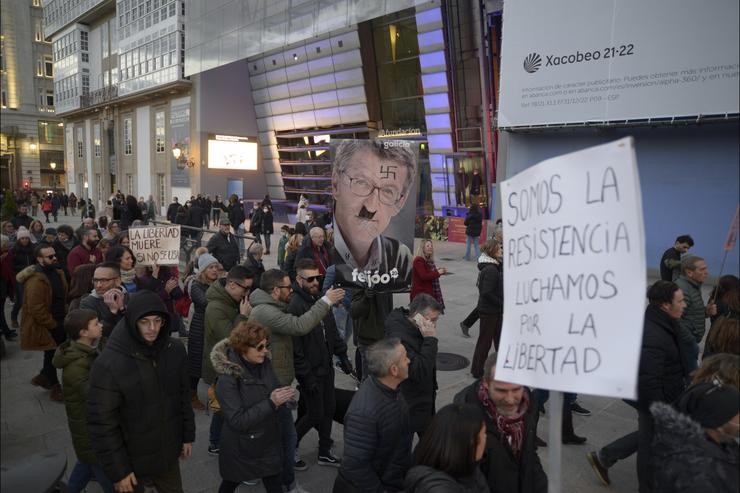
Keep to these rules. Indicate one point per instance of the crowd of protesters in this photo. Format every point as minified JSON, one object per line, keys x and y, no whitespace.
{"x":130,"y":387}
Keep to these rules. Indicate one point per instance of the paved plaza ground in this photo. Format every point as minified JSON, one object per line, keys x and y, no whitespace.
{"x":31,"y":423}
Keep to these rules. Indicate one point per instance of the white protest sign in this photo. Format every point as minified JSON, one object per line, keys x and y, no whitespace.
{"x":158,"y":245}
{"x":574,"y":273}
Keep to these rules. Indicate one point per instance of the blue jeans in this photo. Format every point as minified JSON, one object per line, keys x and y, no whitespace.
{"x":343,"y":320}
{"x":290,"y":440}
{"x":214,"y":433}
{"x":81,"y":475}
{"x":474,"y":241}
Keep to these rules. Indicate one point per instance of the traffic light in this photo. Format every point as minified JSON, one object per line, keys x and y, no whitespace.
{"x":26,"y":184}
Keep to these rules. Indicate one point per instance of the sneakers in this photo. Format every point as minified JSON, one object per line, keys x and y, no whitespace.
{"x":329,"y":459}
{"x":298,"y":463}
{"x":579,"y":410}
{"x":56,"y":393}
{"x":213,"y":449}
{"x":41,"y":381}
{"x":601,"y":472}
{"x":465,"y":329}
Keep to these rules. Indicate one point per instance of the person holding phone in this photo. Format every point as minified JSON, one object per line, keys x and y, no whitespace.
{"x":108,"y":298}
{"x":416,"y":327}
{"x":425,"y":275}
{"x":250,"y":397}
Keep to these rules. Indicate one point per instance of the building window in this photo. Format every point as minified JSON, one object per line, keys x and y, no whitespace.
{"x":96,"y":140}
{"x":38,"y":33}
{"x":39,"y":68}
{"x":159,"y":126}
{"x":49,"y":100}
{"x":130,"y":184}
{"x":4,"y":97}
{"x":80,"y":143}
{"x":36,"y":3}
{"x":99,"y":187}
{"x":161,"y":190}
{"x":48,"y":67}
{"x":51,"y":133}
{"x":128,"y":147}
{"x":85,"y":57}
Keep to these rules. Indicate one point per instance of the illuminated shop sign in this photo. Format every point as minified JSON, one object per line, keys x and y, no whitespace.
{"x":399,"y":132}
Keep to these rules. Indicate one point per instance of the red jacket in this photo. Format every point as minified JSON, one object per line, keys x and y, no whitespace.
{"x":422,"y":277}
{"x":80,"y":255}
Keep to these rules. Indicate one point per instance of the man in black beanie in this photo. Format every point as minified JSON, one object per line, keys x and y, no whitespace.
{"x":696,"y":442}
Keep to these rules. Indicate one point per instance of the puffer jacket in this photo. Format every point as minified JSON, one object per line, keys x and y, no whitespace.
{"x":221,"y":314}
{"x":425,"y":479}
{"x":490,"y":286}
{"x":139,"y":413}
{"x":250,"y":443}
{"x":694,"y":317}
{"x":420,"y":388}
{"x":283,"y":326}
{"x":377,"y":441}
{"x":75,"y":360}
{"x":685,"y":460}
{"x":661,"y":376}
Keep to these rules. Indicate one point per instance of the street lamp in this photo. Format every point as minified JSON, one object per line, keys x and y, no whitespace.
{"x":53,"y":165}
{"x":182,"y":159}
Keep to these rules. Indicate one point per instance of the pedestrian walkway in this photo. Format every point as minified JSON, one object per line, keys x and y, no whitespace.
{"x":31,"y":423}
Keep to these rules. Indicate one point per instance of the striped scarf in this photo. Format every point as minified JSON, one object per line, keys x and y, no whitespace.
{"x":512,"y":429}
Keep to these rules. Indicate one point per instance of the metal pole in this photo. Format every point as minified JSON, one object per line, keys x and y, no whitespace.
{"x":478,"y":36}
{"x":555,"y":442}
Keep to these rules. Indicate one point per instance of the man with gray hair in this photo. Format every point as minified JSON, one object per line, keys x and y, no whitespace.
{"x":694,"y":272}
{"x":361,"y":216}
{"x":416,"y":327}
{"x":377,"y":434}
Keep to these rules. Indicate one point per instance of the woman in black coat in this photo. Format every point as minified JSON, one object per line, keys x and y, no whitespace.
{"x":490,"y":304}
{"x":267,"y":227}
{"x":250,"y":396}
{"x":448,"y":454}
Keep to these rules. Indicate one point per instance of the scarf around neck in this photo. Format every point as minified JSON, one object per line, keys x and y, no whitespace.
{"x":512,"y":428}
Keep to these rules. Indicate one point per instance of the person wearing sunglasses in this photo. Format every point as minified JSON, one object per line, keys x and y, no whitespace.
{"x":43,"y":311}
{"x":270,"y":304}
{"x":696,"y":440}
{"x":313,"y":356}
{"x":251,"y":398}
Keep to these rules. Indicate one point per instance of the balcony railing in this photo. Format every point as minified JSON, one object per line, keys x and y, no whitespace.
{"x":101,"y":96}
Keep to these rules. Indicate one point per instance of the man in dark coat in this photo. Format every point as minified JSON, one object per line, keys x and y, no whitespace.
{"x":139,"y":414}
{"x":416,"y":328}
{"x":173,"y":209}
{"x":312,"y":358}
{"x":223,"y":245}
{"x":108,"y":298}
{"x":377,"y":434}
{"x":22,"y":219}
{"x":662,"y":371}
{"x":510,"y":462}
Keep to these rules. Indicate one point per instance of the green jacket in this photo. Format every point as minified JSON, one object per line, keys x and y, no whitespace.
{"x":222,"y":313}
{"x":270,"y":313}
{"x":694,"y":316}
{"x":75,"y":360}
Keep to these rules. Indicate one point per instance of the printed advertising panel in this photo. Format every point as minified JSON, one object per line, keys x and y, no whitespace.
{"x":230,"y":152}
{"x":574,"y":258}
{"x":372,"y":181}
{"x":576,"y":61}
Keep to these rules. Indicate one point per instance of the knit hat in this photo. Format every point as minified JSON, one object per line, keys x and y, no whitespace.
{"x":205,"y":260}
{"x":709,"y":404}
{"x":50,"y":231}
{"x":22,"y":233}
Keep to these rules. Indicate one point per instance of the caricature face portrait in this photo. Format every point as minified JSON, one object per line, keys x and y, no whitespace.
{"x":368,"y":192}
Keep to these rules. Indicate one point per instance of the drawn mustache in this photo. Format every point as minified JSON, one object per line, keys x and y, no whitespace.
{"x":366,"y":214}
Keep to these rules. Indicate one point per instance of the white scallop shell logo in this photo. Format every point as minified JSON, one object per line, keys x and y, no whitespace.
{"x":532,"y":63}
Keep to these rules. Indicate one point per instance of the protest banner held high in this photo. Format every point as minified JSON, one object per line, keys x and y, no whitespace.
{"x":372,"y":182}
